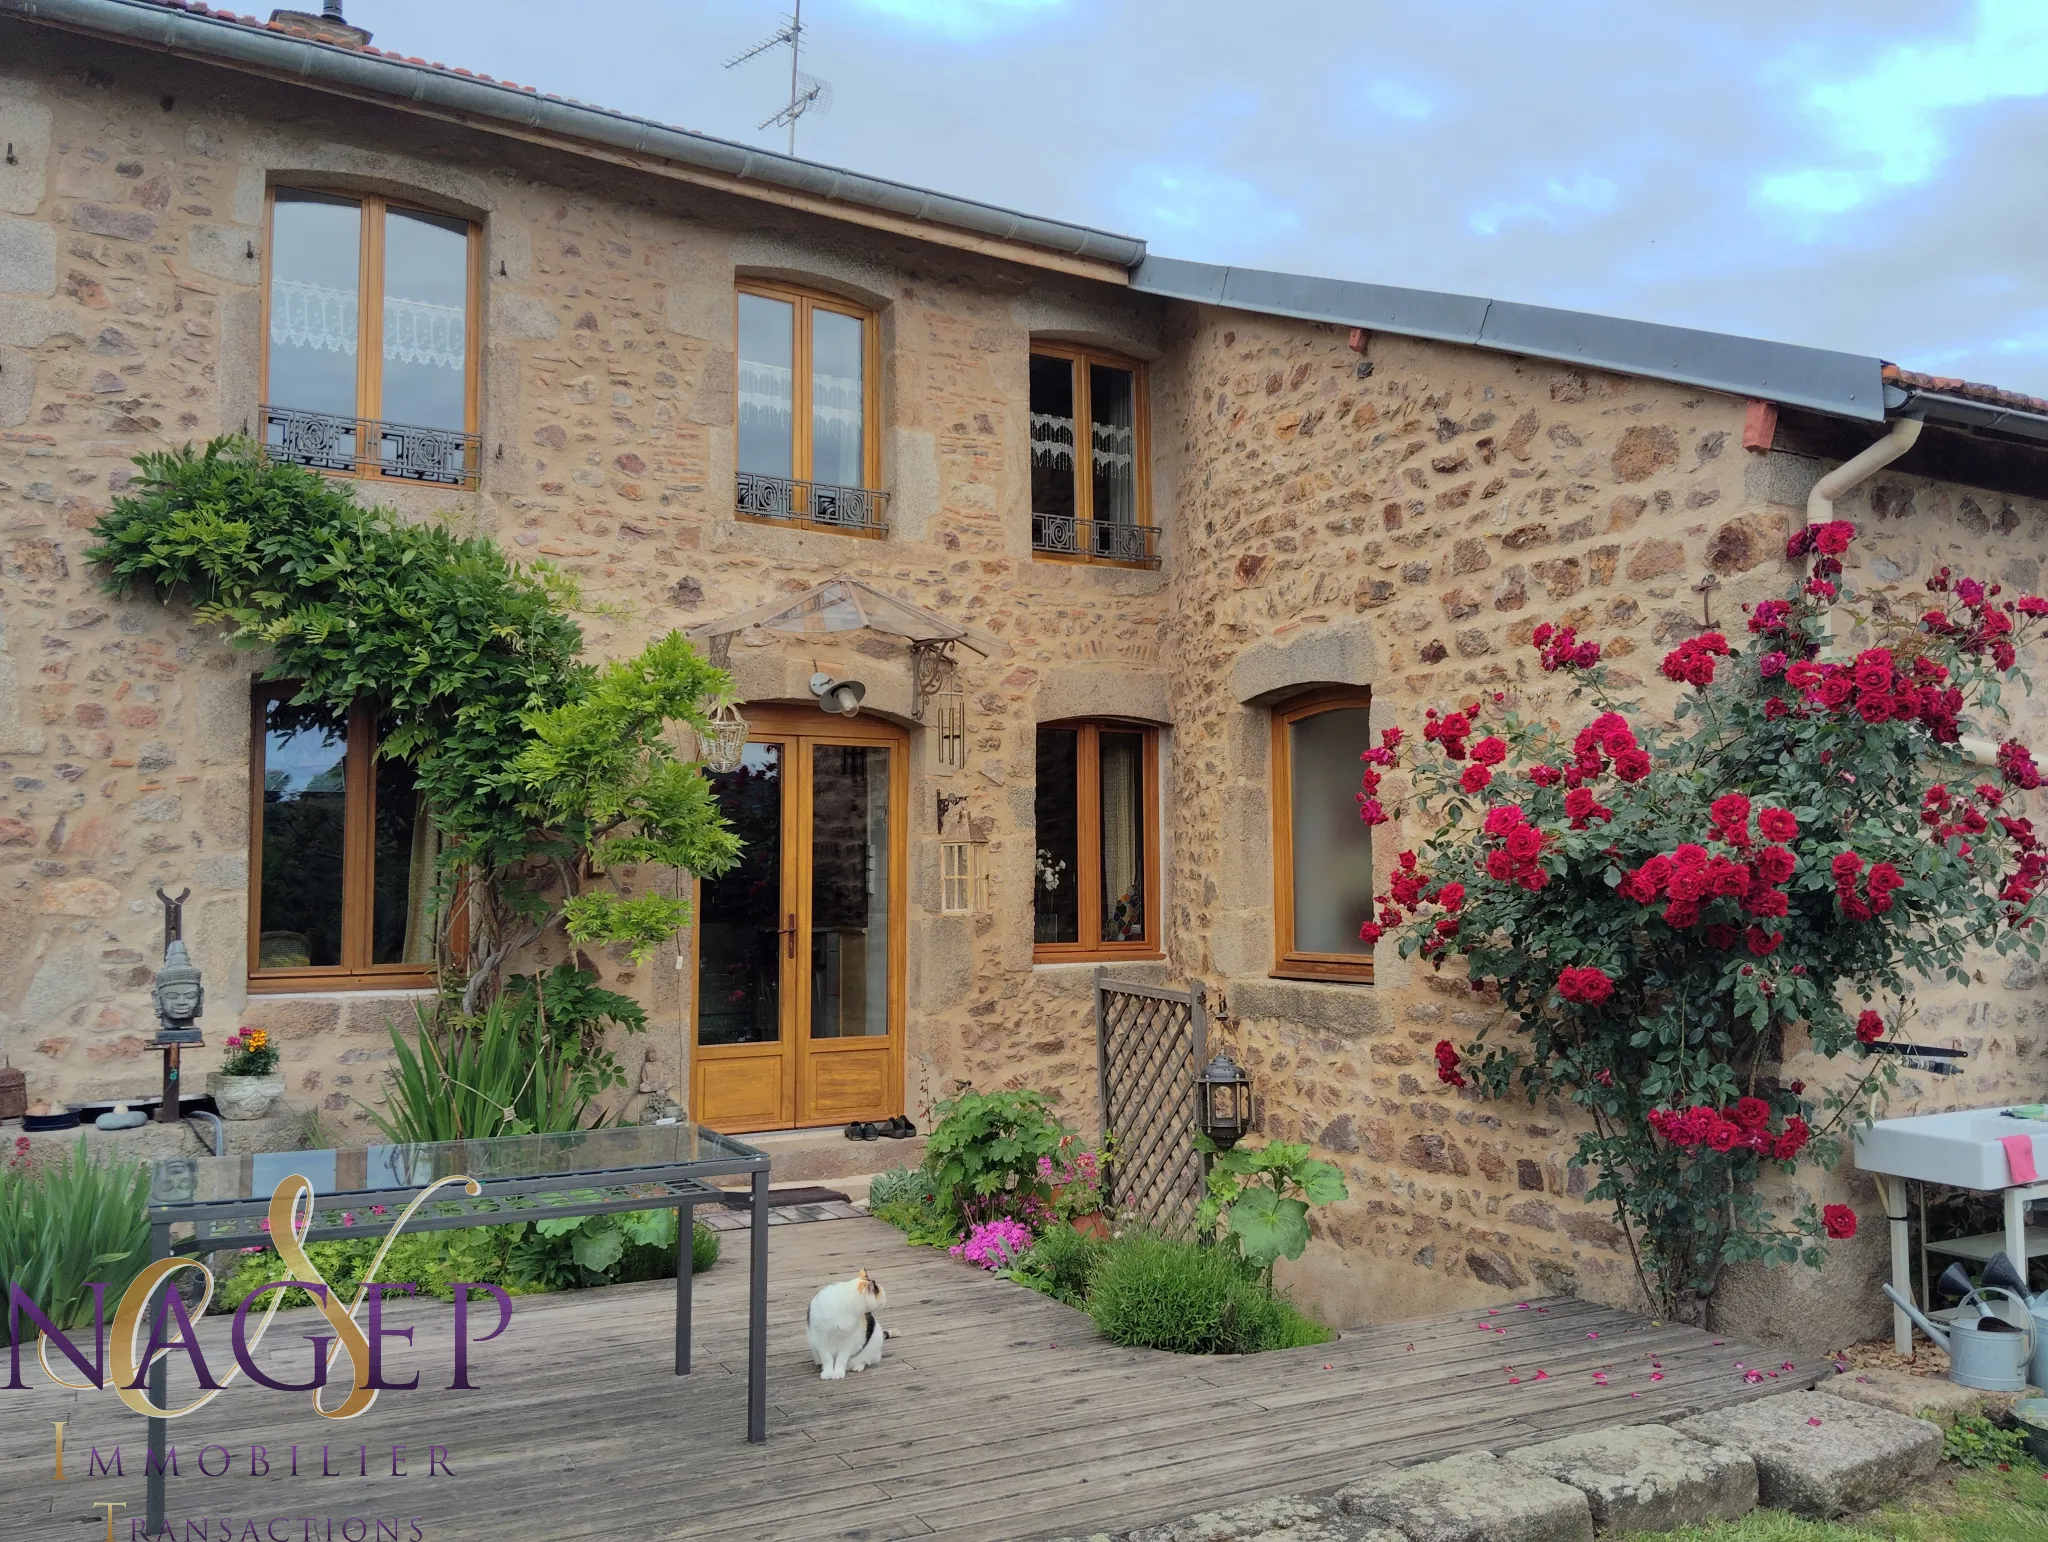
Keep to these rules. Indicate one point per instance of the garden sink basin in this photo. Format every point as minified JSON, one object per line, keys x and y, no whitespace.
{"x":1961,"y":1149}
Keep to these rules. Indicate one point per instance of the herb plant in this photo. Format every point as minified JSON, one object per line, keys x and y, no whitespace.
{"x":1261,"y":1198}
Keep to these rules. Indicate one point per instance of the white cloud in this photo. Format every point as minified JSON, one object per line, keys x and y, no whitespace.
{"x":1198,"y":211}
{"x":961,"y":20}
{"x":1891,"y":121}
{"x":1582,"y":191}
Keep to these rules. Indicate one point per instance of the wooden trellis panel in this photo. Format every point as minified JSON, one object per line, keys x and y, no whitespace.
{"x":1150,"y":1047}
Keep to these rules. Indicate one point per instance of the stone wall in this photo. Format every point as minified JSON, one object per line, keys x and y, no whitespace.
{"x":1402,"y":518}
{"x":130,"y":320}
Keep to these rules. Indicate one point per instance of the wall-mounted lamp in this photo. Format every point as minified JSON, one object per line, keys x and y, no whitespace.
{"x":838,"y":696}
{"x":1224,"y":1106}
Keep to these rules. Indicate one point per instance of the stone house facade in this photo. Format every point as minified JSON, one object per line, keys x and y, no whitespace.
{"x":1351,"y":497}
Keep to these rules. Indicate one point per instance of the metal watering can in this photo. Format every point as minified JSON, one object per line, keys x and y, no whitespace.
{"x":2001,"y":1274}
{"x":1985,"y":1352}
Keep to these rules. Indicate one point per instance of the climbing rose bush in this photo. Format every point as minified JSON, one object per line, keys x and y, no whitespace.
{"x":1669,"y":911}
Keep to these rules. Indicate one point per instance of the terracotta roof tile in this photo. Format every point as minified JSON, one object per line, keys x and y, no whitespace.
{"x":1968,"y":390}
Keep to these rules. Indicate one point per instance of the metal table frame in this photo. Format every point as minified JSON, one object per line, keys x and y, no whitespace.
{"x":233,"y":1223}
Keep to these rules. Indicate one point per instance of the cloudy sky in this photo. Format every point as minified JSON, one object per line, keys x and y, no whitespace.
{"x":1861,"y":174}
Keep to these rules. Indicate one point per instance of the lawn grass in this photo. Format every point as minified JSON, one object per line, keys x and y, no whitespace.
{"x":1952,"y":1506}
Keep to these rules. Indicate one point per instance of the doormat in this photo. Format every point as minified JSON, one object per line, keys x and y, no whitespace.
{"x":810,"y":1196}
{"x":786,"y":1207}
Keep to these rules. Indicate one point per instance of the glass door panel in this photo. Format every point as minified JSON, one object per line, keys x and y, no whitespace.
{"x":849,"y":891}
{"x":744,"y":928}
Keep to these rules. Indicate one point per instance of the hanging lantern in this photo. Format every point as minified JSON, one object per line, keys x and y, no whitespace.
{"x":1224,"y":1106}
{"x":723,"y":742}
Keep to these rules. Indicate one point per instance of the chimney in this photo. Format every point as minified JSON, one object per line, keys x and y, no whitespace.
{"x":330,"y":26}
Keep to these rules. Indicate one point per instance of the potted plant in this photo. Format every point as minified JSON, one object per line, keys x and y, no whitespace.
{"x":1079,"y":1186}
{"x":248,"y":1082}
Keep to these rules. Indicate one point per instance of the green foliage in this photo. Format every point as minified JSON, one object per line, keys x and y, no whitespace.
{"x":1261,"y":1197}
{"x":496,"y":1074}
{"x":1974,"y":1441}
{"x":920,"y":1219}
{"x":1568,"y":873}
{"x":1193,"y":1299}
{"x":1984,"y":1506}
{"x":623,"y":1248}
{"x":539,"y":769}
{"x":1060,"y":1264}
{"x":569,"y":1006}
{"x":68,"y":1224}
{"x":987,"y":1145}
{"x":515,"y":1256}
{"x":897,"y":1183}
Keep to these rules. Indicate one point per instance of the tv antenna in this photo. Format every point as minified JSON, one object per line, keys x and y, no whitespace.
{"x":807,"y":93}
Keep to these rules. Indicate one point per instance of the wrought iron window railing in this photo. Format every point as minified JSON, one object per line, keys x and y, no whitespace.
{"x":858,"y":510}
{"x":1100,"y":540}
{"x":328,"y":441}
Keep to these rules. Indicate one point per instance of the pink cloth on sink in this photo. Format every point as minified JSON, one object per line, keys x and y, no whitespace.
{"x":2019,"y":1156}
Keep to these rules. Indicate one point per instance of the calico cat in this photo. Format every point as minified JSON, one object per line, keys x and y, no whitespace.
{"x":843,"y":1327}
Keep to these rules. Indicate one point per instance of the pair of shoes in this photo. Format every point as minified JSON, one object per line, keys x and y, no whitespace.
{"x":898,"y":1128}
{"x":862,"y":1131}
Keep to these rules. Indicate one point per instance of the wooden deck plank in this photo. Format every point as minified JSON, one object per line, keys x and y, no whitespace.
{"x":973,"y":1426}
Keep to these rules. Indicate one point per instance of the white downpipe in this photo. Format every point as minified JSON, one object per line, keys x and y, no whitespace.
{"x":1866,"y":463}
{"x":1820,"y":503}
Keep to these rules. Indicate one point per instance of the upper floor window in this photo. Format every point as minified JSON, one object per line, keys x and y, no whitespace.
{"x":1095,"y":885}
{"x":1322,"y":850}
{"x":370,"y":359}
{"x":343,"y":885}
{"x":807,"y":447}
{"x":1089,"y":502}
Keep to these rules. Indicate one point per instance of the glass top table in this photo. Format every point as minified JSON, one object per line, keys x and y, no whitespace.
{"x":205,"y":1204}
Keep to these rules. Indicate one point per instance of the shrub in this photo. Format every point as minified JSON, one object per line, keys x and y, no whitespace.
{"x":921,"y":1220}
{"x":1261,"y":1197}
{"x":897,"y":1184}
{"x":1061,"y":1263}
{"x":1192,"y":1299}
{"x":1661,"y":911}
{"x":983,"y":1153}
{"x":67,"y":1225}
{"x":482,"y":1076}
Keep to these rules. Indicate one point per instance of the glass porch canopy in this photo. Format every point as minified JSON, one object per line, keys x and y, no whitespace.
{"x":847,"y":605}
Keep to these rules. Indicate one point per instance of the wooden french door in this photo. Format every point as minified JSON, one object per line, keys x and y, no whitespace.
{"x":800,"y":949}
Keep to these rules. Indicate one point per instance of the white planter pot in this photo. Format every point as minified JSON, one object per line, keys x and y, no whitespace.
{"x":244,"y":1097}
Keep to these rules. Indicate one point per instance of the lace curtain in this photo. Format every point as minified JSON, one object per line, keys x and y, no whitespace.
{"x":1123,"y":884}
{"x":322,"y":317}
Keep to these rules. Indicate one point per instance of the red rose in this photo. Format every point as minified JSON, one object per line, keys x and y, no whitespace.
{"x":1774,"y":864}
{"x":1752,"y":1113}
{"x":1525,"y":843}
{"x":1632,"y":765}
{"x":1763,"y":944}
{"x":1503,"y":818}
{"x":1839,"y":1221}
{"x":1372,"y":931}
{"x":1832,"y":539}
{"x":1451,"y":896}
{"x":1724,"y":1134}
{"x":1490,"y":751}
{"x":1778,"y":824}
{"x":1869,"y":1027}
{"x":1845,"y":867}
{"x":1722,"y":935}
{"x":1475,"y":779}
{"x":1499,"y":865}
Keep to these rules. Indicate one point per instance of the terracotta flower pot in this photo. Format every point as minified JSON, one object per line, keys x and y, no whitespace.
{"x":244,"y":1097}
{"x":1094,"y":1224}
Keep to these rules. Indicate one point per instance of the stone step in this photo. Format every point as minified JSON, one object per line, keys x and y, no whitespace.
{"x":827,"y":1157}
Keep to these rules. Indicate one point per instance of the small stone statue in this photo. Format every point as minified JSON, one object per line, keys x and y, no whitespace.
{"x":178,"y":995}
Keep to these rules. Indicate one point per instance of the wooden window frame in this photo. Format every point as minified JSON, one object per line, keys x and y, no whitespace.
{"x":1290,"y":963}
{"x":359,"y":855}
{"x":1088,"y":848}
{"x":1141,"y":445}
{"x":370,"y":318}
{"x":806,"y":302}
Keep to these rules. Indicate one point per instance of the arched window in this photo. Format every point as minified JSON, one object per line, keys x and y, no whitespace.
{"x":1322,"y":850}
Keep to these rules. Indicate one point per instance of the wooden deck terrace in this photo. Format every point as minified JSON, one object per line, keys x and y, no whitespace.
{"x":997,"y":1414}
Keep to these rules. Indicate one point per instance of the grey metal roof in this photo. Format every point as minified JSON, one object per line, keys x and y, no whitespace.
{"x":1846,"y":384}
{"x":221,"y":39}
